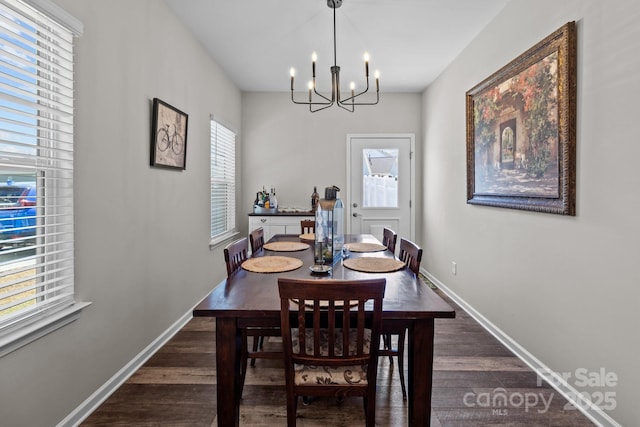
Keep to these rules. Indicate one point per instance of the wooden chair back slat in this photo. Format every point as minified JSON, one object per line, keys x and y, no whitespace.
{"x":307,"y":226}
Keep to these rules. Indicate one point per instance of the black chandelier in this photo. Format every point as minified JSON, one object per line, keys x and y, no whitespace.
{"x":349,"y":103}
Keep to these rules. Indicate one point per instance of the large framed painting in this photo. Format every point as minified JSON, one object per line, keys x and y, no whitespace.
{"x":521,"y":130}
{"x":168,"y":136}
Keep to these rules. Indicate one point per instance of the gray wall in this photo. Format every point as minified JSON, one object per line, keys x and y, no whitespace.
{"x":142,"y":233}
{"x":565,"y":288}
{"x":286,"y":147}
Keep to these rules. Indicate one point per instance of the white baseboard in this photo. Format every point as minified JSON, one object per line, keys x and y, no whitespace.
{"x":87,"y":407}
{"x":590,"y":410}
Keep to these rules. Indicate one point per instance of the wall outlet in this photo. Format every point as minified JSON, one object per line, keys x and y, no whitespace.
{"x":454,"y":268}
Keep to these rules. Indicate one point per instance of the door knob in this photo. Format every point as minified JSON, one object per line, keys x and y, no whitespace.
{"x":356,"y":214}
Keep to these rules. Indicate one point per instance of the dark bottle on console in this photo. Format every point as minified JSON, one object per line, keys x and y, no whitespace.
{"x":315,"y":197}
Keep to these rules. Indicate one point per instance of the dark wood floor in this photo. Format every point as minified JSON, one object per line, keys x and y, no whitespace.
{"x":476,"y":382}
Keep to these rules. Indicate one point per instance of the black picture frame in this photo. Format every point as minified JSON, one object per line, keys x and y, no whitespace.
{"x":521,"y":130}
{"x":168,"y":136}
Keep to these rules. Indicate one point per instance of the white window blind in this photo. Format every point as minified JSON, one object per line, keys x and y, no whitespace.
{"x":223,"y":182}
{"x":36,"y":149}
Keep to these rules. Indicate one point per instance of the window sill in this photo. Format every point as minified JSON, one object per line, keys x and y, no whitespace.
{"x":39,"y":328}
{"x":223,"y":239}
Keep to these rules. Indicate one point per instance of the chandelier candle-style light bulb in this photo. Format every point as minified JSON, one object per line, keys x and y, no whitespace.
{"x":293,"y":75}
{"x":366,"y":64}
{"x":376,"y":74}
{"x":335,"y":97}
{"x":314,"y":58}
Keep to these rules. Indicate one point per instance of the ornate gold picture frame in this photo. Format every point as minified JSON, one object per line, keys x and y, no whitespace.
{"x":521,"y":130}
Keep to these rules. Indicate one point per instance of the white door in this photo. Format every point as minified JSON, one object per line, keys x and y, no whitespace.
{"x":380,"y":184}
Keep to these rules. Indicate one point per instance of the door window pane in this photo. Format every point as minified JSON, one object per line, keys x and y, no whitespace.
{"x":379,"y":178}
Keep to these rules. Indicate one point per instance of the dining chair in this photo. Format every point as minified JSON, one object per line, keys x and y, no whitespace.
{"x":307,"y":226}
{"x":256,"y":240}
{"x":321,"y":359}
{"x":411,"y":255}
{"x":234,"y":255}
{"x":389,"y":239}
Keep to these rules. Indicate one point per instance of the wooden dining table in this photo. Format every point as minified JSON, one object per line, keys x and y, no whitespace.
{"x":248,"y":299}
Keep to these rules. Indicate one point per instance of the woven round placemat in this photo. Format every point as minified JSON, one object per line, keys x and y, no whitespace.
{"x":308,"y":236}
{"x":286,"y":246}
{"x":365,"y":247}
{"x":271,"y":264}
{"x":373,"y":264}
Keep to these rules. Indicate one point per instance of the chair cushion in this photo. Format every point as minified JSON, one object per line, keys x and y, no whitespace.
{"x":325,"y":375}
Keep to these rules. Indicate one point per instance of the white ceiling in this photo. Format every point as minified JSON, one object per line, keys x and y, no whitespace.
{"x":410,"y":42}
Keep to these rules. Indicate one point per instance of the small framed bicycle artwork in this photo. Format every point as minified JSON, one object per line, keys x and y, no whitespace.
{"x":168,"y":136}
